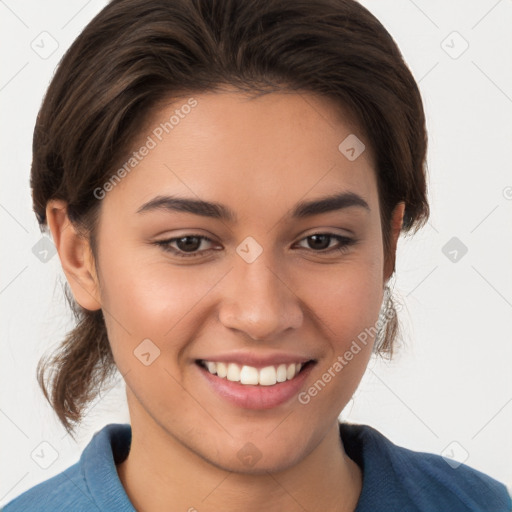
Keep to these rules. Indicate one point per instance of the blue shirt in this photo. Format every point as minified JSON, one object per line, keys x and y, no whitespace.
{"x":395,"y":479}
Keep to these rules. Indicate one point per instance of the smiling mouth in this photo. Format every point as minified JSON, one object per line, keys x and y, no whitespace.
{"x":252,"y":376}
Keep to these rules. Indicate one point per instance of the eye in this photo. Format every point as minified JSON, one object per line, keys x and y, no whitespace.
{"x":186,"y":246}
{"x":191,"y":245}
{"x":321,"y":242}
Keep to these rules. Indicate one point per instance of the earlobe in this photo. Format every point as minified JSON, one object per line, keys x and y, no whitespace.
{"x":397,"y":218}
{"x":75,"y":256}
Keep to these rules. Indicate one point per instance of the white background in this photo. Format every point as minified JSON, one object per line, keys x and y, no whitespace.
{"x":451,"y":382}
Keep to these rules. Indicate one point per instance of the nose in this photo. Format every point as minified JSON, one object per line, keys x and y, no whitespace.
{"x":259,"y":302}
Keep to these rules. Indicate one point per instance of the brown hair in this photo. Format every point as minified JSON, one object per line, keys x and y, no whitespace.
{"x":135,"y":54}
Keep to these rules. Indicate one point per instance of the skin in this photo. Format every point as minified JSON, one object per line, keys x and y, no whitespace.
{"x":259,"y":157}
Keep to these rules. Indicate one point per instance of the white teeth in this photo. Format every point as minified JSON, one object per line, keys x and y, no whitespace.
{"x":212,"y":367}
{"x":249,"y":375}
{"x":233,"y":372}
{"x":267,"y":376}
{"x":281,"y":373}
{"x":222,"y":370}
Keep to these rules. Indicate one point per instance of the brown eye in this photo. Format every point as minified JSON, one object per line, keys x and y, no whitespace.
{"x":186,"y":246}
{"x":321,"y":242}
{"x":188,"y":243}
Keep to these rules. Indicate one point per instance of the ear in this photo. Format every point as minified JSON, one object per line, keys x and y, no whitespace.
{"x":397,"y":218}
{"x":75,"y":256}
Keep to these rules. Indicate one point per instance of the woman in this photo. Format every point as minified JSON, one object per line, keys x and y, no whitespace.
{"x":225,"y":183}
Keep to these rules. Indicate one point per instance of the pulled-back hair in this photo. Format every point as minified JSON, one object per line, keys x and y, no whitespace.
{"x":135,"y":54}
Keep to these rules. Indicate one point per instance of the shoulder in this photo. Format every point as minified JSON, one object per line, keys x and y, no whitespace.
{"x":91,"y":484}
{"x":417,"y":480}
{"x":64,"y":491}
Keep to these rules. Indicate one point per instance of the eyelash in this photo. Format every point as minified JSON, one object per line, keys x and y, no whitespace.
{"x":165,"y":244}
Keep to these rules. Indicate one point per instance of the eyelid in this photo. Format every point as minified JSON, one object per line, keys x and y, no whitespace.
{"x":335,"y":236}
{"x":344,"y":232}
{"x":345,"y":241}
{"x":165,"y":244}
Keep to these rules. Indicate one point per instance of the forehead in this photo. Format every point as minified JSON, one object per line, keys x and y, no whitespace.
{"x":249,"y":152}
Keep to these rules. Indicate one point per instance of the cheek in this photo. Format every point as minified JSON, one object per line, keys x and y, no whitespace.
{"x":347,"y":311}
{"x":151,"y":300}
{"x":346,"y":305}
{"x":346,"y":297}
{"x":351,"y":305}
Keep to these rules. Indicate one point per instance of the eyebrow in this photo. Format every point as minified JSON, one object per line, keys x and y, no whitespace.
{"x":219,"y":211}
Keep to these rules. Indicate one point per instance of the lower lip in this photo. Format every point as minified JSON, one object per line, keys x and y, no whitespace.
{"x":256,"y":396}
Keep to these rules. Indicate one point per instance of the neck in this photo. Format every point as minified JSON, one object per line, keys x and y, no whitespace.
{"x":160,"y":474}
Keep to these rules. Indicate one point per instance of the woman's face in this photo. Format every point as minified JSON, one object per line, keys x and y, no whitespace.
{"x":259,"y":289}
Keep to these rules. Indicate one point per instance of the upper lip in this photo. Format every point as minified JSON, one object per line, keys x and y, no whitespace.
{"x":258,"y":360}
